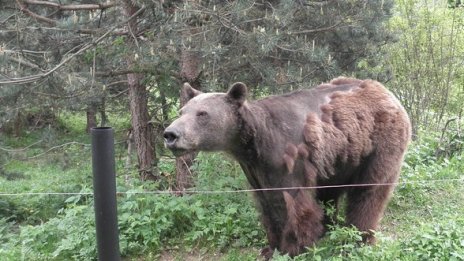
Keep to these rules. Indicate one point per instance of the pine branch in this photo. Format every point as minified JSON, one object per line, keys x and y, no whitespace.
{"x":85,"y":30}
{"x":96,"y":31}
{"x":124,"y":72}
{"x":55,"y":96}
{"x":317,"y":30}
{"x":6,"y":19}
{"x":116,"y":83}
{"x":33,"y":78}
{"x":221,"y":17}
{"x":71,"y":7}
{"x":23,"y":7}
{"x":149,"y":69}
{"x":313,"y":3}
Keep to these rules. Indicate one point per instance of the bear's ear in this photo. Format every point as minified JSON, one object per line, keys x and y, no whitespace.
{"x":188,"y":92}
{"x":238,"y":92}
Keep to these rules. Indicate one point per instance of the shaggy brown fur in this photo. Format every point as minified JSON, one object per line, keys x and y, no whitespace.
{"x":347,"y":131}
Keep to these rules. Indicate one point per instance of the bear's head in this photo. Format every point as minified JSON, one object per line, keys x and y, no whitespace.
{"x":207,"y":122}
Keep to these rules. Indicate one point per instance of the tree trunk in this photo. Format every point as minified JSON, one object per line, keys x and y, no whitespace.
{"x":18,"y":124}
{"x":142,"y":130}
{"x":138,"y":100}
{"x":91,"y":118}
{"x":190,"y":64}
{"x":130,"y":149}
{"x":164,"y":109}
{"x":103,"y":117}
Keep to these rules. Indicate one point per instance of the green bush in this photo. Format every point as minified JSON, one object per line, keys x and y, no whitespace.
{"x":146,"y":223}
{"x":424,"y":221}
{"x":442,"y":241}
{"x":44,"y":178}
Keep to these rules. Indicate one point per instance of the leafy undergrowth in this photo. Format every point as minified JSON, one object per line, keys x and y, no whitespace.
{"x":424,"y":220}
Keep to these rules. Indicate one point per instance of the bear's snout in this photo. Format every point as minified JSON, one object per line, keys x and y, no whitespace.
{"x":170,"y":137}
{"x":174,"y":141}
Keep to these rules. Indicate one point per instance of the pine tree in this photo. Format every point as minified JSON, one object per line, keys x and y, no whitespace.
{"x":282,"y":45}
{"x":39,"y":38}
{"x":69,"y":55}
{"x":72,"y":55}
{"x":275,"y":46}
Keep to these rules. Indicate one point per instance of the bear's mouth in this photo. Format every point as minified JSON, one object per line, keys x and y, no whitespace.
{"x":179,"y":152}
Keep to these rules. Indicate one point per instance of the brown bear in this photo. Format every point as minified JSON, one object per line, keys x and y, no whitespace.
{"x":345,"y":132}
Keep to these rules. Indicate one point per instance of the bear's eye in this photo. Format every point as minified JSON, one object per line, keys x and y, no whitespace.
{"x":202,"y":113}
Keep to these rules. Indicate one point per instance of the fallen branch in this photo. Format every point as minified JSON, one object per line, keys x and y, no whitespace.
{"x":28,"y":12}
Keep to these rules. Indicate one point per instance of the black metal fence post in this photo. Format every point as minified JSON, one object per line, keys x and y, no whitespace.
{"x":104,"y":191}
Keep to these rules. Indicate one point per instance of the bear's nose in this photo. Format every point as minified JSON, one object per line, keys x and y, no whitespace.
{"x":170,"y":136}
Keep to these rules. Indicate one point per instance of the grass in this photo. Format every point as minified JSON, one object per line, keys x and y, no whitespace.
{"x":424,"y":220}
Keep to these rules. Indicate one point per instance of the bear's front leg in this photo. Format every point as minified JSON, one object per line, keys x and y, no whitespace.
{"x":273,"y":217}
{"x":272,"y":236}
{"x":304,"y":223}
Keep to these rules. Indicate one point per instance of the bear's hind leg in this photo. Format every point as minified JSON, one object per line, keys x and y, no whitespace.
{"x":365,"y":208}
{"x":366,"y":204}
